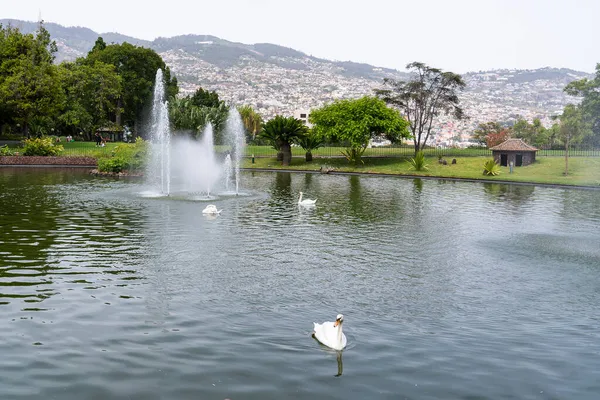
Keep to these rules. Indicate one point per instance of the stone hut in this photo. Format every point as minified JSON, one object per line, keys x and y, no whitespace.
{"x":514,"y":150}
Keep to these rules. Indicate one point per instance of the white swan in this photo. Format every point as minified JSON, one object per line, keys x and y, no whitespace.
{"x":330,"y":333}
{"x":306,"y":202}
{"x":211,"y":209}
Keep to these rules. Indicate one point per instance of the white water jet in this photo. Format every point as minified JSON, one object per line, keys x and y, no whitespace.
{"x":187,"y":167}
{"x":234,"y":129}
{"x":158,"y":171}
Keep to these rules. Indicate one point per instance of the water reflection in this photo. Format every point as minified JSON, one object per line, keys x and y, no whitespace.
{"x":516,"y":195}
{"x":340,"y":365}
{"x":53,"y":240}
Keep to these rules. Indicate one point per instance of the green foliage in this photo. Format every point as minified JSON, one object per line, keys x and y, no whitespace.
{"x":29,"y":84}
{"x":6,"y":151}
{"x":491,"y":168}
{"x":357,"y":121}
{"x":187,"y":116}
{"x":534,"y":133}
{"x":418,"y":162}
{"x":589,"y":89}
{"x":92,"y":91}
{"x":353,"y":154}
{"x":205,"y":98}
{"x":430,"y":93}
{"x":252,"y":121}
{"x":43,"y":146}
{"x":282,"y":132}
{"x":137,"y":68}
{"x":573,"y":128}
{"x":310,"y":142}
{"x":125,"y":157}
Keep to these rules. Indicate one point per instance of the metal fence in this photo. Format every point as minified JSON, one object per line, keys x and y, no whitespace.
{"x":407,"y":151}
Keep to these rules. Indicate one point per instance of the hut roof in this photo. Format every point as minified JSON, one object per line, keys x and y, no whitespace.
{"x":514,"y":145}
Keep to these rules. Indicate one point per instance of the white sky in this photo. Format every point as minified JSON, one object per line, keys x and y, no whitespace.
{"x":455,"y":35}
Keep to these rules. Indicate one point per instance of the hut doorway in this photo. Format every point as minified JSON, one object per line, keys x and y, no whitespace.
{"x":504,"y":160}
{"x":519,"y":160}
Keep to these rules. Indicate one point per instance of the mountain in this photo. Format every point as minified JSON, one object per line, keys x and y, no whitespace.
{"x":276,"y":79}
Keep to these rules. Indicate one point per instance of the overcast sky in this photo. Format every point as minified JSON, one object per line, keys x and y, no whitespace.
{"x":455,"y":35}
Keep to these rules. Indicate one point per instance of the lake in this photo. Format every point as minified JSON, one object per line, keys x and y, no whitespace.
{"x":449,"y":290}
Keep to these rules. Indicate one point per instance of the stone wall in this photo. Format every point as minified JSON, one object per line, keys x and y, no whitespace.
{"x":37,"y":160}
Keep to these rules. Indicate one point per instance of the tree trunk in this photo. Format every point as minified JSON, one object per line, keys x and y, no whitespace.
{"x":286,"y":149}
{"x":279,"y":155}
{"x":308,"y":156}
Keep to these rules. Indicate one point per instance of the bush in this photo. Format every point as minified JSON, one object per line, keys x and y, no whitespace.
{"x":418,"y":162}
{"x":6,"y":151}
{"x":490,"y":168}
{"x":43,"y":146}
{"x":125,"y":157}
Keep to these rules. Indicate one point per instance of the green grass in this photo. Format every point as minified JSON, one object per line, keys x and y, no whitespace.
{"x":549,"y":170}
{"x":86,"y":149}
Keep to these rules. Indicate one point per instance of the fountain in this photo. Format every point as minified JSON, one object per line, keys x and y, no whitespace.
{"x":234,"y":129}
{"x":189,"y":168}
{"x":158,"y":171}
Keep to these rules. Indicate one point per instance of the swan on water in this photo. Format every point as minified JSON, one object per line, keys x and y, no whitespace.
{"x":211,"y":209}
{"x":330,"y":333}
{"x":306,"y":202}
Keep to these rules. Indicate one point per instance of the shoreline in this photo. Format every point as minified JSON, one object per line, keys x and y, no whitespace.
{"x":90,"y":163}
{"x":428,"y":177}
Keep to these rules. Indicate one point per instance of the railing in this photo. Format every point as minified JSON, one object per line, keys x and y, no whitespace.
{"x":333,"y":151}
{"x":406,"y":151}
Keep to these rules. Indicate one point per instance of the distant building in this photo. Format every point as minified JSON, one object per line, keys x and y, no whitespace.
{"x":303,"y":115}
{"x":514,"y":151}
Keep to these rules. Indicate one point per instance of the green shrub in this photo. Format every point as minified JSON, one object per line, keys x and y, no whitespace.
{"x":491,"y":168}
{"x":6,"y":151}
{"x":43,"y":146}
{"x":418,"y":162}
{"x":125,"y":157}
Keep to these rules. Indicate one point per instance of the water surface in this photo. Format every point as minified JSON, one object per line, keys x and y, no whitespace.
{"x":449,"y":290}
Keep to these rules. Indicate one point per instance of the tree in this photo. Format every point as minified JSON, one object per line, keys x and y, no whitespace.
{"x":92,"y":91}
{"x":30,"y":92}
{"x":137,"y":68}
{"x":310,"y":142}
{"x":495,"y":138}
{"x":573,"y":128}
{"x":534,"y":133}
{"x":484,"y":129}
{"x":187,"y":116}
{"x":283,"y":131}
{"x":357,"y":121}
{"x":252,"y":121}
{"x":430,"y":93}
{"x":204,"y":98}
{"x":589,"y":89}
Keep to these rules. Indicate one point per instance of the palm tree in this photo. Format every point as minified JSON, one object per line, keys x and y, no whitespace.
{"x":282,"y":132}
{"x":310,"y":142}
{"x":251,"y":119}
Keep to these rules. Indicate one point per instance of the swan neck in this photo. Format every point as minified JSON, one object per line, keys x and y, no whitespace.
{"x":339,"y":333}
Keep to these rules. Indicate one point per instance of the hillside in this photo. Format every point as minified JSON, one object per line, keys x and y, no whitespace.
{"x":276,"y":79}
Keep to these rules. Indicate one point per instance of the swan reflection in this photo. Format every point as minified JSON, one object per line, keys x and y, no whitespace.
{"x":339,"y":363}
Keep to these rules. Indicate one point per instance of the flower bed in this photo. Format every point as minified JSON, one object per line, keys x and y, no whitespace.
{"x":50,"y":160}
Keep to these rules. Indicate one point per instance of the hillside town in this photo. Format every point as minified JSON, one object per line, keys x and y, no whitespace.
{"x":502,"y":95}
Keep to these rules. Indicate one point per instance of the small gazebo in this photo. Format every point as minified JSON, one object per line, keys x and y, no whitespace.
{"x":514,"y":151}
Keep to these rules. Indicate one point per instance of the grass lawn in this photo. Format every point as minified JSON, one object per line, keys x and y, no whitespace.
{"x":582,"y":170}
{"x":87,"y":149}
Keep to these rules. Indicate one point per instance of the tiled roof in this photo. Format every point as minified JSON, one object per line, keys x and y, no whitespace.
{"x":514,"y":145}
